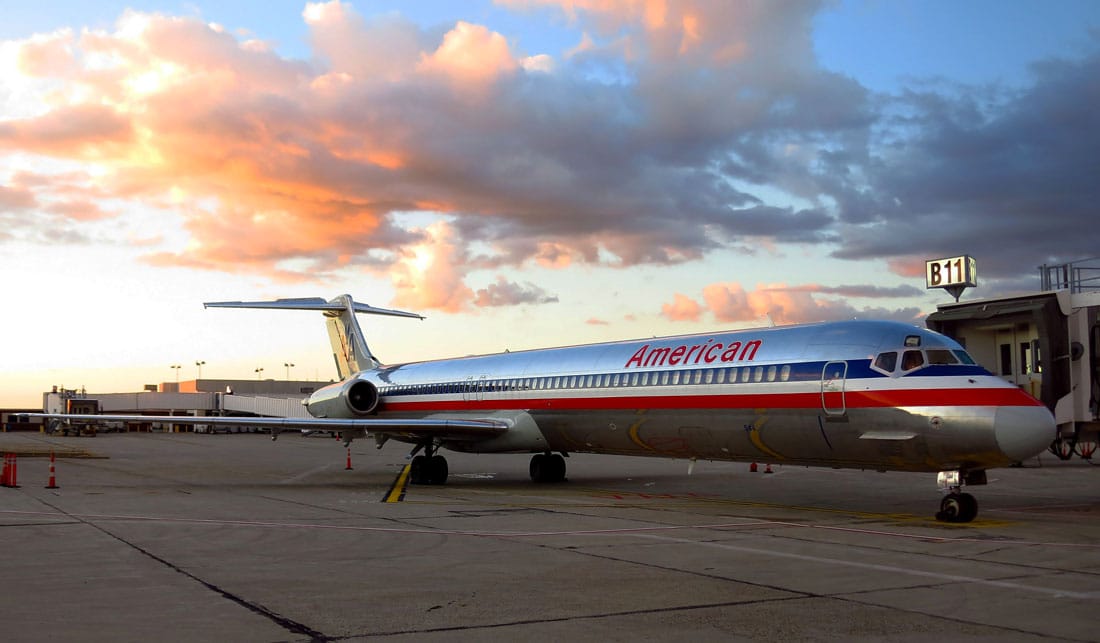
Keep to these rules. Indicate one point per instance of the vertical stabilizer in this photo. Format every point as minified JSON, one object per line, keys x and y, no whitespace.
{"x":349,"y":345}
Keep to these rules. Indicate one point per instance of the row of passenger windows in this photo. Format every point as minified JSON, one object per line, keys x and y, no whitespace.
{"x":888,"y":362}
{"x":731,"y":375}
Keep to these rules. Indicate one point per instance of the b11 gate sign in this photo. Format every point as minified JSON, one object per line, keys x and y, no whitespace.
{"x":953,"y":274}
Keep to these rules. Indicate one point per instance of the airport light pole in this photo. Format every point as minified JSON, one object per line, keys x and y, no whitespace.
{"x":288,"y":365}
{"x":199,"y":364}
{"x":259,"y":372}
{"x":176,"y":368}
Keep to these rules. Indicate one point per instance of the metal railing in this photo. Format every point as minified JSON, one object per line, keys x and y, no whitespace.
{"x":1076,"y":276}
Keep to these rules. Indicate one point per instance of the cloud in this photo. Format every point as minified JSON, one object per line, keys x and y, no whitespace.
{"x":671,"y":132}
{"x":16,"y":199}
{"x":470,"y":54}
{"x":507,"y":293}
{"x":682,"y":308}
{"x":968,"y":169}
{"x":731,"y":303}
{"x":854,"y":290}
{"x":430,"y":275}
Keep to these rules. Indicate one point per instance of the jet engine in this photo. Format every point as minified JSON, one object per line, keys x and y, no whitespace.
{"x":347,"y":399}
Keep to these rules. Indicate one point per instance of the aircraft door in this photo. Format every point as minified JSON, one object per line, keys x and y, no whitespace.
{"x":832,"y":388}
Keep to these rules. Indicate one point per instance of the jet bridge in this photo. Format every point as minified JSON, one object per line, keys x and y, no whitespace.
{"x":1047,"y":343}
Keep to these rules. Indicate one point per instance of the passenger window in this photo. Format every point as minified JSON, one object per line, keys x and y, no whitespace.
{"x":664,"y":378}
{"x":758,"y":374}
{"x":710,"y":377}
{"x":745,"y":375}
{"x":911,"y":360}
{"x":887,"y":361}
{"x":720,"y":376}
{"x":785,"y":373}
{"x":676,"y":378}
{"x":771,"y":373}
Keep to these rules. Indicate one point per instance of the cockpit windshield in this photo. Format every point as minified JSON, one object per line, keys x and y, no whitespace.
{"x":911,"y":359}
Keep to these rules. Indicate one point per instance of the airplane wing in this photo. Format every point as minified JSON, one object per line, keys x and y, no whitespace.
{"x":449,"y":428}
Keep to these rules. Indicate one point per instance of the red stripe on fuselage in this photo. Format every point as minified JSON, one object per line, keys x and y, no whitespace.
{"x":852,"y":399}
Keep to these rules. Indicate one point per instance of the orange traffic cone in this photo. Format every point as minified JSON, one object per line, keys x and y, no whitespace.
{"x":348,"y":467}
{"x":11,"y":471}
{"x":752,"y":468}
{"x":53,"y":479}
{"x":768,"y":469}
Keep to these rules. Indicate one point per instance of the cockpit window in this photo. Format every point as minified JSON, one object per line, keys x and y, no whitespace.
{"x":911,"y":360}
{"x":941,"y":356}
{"x":886,"y":361}
{"x":964,"y":357}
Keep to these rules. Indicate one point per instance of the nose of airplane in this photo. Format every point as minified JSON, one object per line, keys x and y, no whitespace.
{"x":1023,"y":431}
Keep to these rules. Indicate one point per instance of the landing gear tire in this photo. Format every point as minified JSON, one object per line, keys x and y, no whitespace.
{"x":437,"y":468}
{"x":416,"y":470}
{"x":958,"y":507}
{"x":428,"y":470}
{"x":547,"y":467}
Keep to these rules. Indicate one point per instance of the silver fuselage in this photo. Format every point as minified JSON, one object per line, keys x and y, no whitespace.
{"x":818,"y":394}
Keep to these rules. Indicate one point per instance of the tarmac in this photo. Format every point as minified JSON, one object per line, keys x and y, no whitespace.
{"x":198,"y":537}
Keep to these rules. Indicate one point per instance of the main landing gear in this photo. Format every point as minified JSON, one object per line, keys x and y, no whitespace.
{"x":547,"y":467}
{"x":958,"y":506}
{"x":429,"y":468}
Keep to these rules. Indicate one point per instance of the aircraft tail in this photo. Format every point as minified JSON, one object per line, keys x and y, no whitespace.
{"x":349,"y":346}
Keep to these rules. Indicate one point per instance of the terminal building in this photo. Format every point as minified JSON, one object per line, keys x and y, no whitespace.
{"x":272,"y":398}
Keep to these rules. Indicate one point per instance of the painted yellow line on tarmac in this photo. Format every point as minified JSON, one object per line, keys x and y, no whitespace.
{"x":397,"y":491}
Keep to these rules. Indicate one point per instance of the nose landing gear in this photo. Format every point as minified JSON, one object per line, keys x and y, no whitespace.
{"x":958,"y":506}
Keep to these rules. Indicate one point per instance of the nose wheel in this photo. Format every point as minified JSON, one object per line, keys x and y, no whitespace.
{"x":957,"y":507}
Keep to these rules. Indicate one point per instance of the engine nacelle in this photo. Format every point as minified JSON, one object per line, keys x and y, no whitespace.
{"x":348,"y":399}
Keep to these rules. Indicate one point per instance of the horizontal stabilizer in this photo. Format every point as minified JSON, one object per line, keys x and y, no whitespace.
{"x":349,"y":346}
{"x":311,"y":303}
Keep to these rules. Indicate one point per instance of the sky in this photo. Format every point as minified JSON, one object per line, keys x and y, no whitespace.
{"x":524,"y":173}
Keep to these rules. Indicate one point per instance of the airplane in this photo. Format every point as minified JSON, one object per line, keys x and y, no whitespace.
{"x":879,"y":395}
